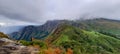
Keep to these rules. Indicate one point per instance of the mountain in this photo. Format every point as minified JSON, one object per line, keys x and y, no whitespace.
{"x":38,"y":32}
{"x":105,"y":26}
{"x":82,"y":41}
{"x":92,"y":36}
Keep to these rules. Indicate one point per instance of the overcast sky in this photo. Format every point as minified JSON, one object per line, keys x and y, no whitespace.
{"x":24,"y":12}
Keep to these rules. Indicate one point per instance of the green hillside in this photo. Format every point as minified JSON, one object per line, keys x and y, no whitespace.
{"x":84,"y":42}
{"x":2,"y":35}
{"x":105,"y":26}
{"x":92,"y":36}
{"x":102,"y":25}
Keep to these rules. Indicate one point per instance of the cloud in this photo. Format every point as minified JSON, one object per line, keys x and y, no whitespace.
{"x":4,"y":21}
{"x":39,"y":11}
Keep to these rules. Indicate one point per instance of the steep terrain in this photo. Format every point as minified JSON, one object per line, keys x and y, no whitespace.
{"x":38,"y":32}
{"x":92,"y":36}
{"x":83,"y":42}
{"x":105,"y":26}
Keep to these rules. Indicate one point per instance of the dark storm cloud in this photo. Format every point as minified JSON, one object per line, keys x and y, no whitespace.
{"x":40,"y":11}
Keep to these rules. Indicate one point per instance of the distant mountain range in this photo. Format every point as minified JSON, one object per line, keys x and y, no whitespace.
{"x":39,"y":32}
{"x":91,"y":36}
{"x":102,"y":25}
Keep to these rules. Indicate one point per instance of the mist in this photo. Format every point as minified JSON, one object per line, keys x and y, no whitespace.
{"x":39,"y":11}
{"x":10,"y":29}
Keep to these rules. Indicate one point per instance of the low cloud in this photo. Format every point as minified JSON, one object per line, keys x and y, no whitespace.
{"x":39,"y":11}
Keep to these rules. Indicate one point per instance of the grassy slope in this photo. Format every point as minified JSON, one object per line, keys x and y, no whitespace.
{"x":2,"y":35}
{"x":105,"y":26}
{"x":84,"y":42}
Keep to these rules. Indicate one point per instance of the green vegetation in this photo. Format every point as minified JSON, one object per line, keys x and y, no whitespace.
{"x":96,"y":36}
{"x":2,"y":35}
{"x":104,"y":26}
{"x":84,"y":42}
{"x":41,"y":44}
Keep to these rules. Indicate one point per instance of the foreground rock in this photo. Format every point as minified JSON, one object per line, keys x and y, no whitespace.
{"x":8,"y":46}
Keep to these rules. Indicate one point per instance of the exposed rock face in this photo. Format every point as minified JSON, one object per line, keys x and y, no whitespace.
{"x":18,"y":49}
{"x":6,"y":40}
{"x":38,"y":32}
